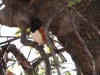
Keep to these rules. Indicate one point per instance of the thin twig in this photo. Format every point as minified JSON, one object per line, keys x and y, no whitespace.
{"x":29,"y":54}
{"x":21,"y":47}
{"x":9,"y":37}
{"x":87,"y":5}
{"x":11,"y":64}
{"x":8,"y":41}
{"x":13,"y":37}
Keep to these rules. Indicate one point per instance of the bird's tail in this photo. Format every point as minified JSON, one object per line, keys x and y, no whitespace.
{"x":59,"y":53}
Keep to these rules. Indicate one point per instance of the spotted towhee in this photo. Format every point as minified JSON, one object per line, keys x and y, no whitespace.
{"x":37,"y":32}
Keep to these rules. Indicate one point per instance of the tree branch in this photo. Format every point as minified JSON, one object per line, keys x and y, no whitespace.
{"x":19,"y":56}
{"x":47,"y":36}
{"x":84,"y":19}
{"x":8,"y":41}
{"x":38,"y":61}
{"x":88,"y":54}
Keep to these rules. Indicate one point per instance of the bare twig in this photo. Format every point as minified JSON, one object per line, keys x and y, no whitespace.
{"x":8,"y":41}
{"x":87,"y":5}
{"x":11,"y":64}
{"x":28,"y":54}
{"x":13,"y":37}
{"x":9,"y":37}
{"x":72,"y":18}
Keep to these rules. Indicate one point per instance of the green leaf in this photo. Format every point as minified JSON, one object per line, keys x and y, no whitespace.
{"x":19,"y":31}
{"x":30,"y":47}
{"x":28,"y":29}
{"x":68,"y":73}
{"x":53,"y":72}
{"x":36,"y":71}
{"x":52,"y":64}
{"x":63,"y":67}
{"x":78,"y":1}
{"x":21,"y":73}
{"x":70,"y":3}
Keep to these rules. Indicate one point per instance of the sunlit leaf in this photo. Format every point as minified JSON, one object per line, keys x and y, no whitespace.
{"x":28,"y":32}
{"x":41,"y":70}
{"x":47,"y":49}
{"x":28,"y":29}
{"x":30,"y":47}
{"x":68,"y":73}
{"x":70,"y":3}
{"x":9,"y":69}
{"x":18,"y":65}
{"x":18,"y":32}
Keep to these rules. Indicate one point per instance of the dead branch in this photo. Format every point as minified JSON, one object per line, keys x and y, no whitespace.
{"x":9,"y":41}
{"x":19,"y":56}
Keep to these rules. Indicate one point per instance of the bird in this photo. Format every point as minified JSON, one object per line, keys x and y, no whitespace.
{"x":37,"y":32}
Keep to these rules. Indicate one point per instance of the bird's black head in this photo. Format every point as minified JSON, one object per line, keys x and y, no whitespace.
{"x":35,"y":24}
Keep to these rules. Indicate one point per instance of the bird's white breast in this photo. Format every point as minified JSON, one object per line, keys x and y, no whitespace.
{"x":37,"y":37}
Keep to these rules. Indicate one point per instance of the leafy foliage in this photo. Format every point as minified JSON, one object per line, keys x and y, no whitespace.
{"x":73,"y":2}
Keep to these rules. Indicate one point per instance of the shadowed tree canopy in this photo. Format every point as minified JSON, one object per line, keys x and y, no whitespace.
{"x":76,"y":27}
